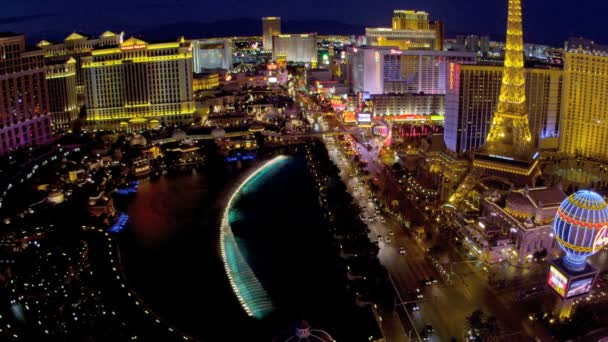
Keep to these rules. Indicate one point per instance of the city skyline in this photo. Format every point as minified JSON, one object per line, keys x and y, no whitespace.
{"x":139,"y":17}
{"x":342,"y":163}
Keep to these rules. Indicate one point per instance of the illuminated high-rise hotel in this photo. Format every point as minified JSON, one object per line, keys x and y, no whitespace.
{"x":138,"y":85}
{"x":584,"y":130}
{"x":63,"y":101}
{"x":24,"y":112}
{"x":271,"y":26}
{"x":211,"y":54}
{"x":410,"y":30}
{"x":64,"y":74}
{"x":77,"y":45}
{"x":376,"y":70}
{"x":295,"y":48}
{"x":471,"y":102}
{"x":410,"y":20}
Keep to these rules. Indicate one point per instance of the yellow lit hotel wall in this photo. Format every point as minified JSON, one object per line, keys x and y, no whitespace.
{"x":584,"y":120}
{"x":123,"y":85}
{"x":407,"y":44}
{"x":410,"y":20}
{"x":206,"y":82}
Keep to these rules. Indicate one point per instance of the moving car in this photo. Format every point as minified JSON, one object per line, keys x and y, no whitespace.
{"x":412,"y":306}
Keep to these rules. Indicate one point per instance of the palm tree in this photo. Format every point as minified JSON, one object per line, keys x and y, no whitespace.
{"x":474,"y":321}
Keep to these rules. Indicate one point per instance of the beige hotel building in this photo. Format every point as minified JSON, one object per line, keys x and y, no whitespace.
{"x":139,"y":85}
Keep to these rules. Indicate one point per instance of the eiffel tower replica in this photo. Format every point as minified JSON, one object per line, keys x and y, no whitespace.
{"x":509,"y":152}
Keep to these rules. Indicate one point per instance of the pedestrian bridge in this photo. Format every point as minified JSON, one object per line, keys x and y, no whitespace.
{"x":238,"y":134}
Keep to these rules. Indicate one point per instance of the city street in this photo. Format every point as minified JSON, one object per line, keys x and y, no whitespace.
{"x":443,"y":306}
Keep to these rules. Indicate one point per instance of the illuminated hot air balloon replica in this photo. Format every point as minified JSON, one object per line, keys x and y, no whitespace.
{"x":580,"y":227}
{"x":581,"y":230}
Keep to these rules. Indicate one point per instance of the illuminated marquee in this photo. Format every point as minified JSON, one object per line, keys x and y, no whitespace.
{"x":557,"y":281}
{"x":579,"y":287}
{"x":349,"y":117}
{"x":364,"y":118}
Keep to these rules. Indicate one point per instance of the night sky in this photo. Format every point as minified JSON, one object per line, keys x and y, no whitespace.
{"x":545,"y":21}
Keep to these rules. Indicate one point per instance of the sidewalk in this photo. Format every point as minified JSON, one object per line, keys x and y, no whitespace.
{"x":391,"y":327}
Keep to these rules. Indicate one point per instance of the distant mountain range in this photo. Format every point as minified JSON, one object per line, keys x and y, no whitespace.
{"x":243,"y":27}
{"x":252,"y":27}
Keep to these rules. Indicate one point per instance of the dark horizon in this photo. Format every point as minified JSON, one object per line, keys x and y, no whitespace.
{"x":544,"y":22}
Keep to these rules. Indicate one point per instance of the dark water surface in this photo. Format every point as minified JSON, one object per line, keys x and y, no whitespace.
{"x":170,"y":253}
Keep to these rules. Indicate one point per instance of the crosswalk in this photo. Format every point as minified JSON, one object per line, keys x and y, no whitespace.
{"x":411,"y":273}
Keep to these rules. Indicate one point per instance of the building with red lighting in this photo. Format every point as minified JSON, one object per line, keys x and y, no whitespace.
{"x":24,"y":109}
{"x":409,"y":107}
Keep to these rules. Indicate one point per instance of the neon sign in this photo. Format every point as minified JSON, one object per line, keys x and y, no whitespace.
{"x":364,"y":118}
{"x":601,"y":239}
{"x":557,"y":281}
{"x":451,"y":76}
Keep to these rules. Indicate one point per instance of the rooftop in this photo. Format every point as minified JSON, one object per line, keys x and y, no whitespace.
{"x":9,"y":34}
{"x":546,"y":197}
{"x":537,"y":197}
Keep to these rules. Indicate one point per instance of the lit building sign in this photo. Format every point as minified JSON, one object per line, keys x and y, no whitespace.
{"x":272,"y":79}
{"x":601,"y":239}
{"x":325,"y":58}
{"x":380,"y":131}
{"x":338,"y":104}
{"x":133,"y":47}
{"x":557,"y":281}
{"x":364,"y":118}
{"x":349,"y":117}
{"x":451,"y":76}
{"x":579,"y":287}
{"x":408,"y":117}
